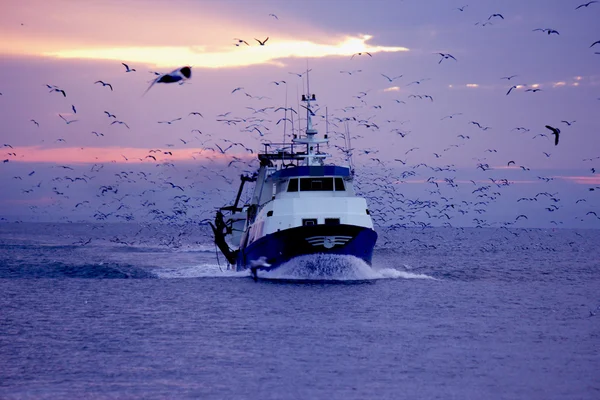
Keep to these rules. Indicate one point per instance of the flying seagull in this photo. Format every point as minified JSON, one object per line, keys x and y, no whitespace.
{"x":178,"y":75}
{"x":105,"y":84}
{"x":127,"y":69}
{"x":360,"y":54}
{"x":68,"y":122}
{"x":263,"y":42}
{"x":555,"y":132}
{"x":595,"y":43}
{"x":445,"y":57}
{"x":585,"y":4}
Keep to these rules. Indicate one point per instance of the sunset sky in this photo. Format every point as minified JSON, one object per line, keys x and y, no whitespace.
{"x":427,"y":149}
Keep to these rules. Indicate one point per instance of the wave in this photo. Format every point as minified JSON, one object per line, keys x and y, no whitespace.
{"x":199,"y":271}
{"x":328,"y":267}
{"x":55,"y":270}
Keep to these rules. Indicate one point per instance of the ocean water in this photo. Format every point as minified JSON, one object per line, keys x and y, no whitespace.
{"x":149,"y":311}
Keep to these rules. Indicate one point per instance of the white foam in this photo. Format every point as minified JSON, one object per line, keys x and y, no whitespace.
{"x":199,"y":271}
{"x":323,"y":267}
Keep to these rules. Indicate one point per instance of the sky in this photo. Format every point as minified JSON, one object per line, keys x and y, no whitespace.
{"x":432,"y":135}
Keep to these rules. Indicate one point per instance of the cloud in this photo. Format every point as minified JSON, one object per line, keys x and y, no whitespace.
{"x":583,"y":180}
{"x":201,"y":56}
{"x":91,"y":155}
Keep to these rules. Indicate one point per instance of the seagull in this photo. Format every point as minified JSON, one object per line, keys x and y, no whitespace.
{"x":240,"y":41}
{"x":555,"y":132}
{"x":569,"y":123}
{"x":495,"y":15}
{"x":263,"y":42}
{"x":119,"y":122}
{"x":74,"y":109}
{"x":110,"y":115}
{"x":35,"y":122}
{"x":169,"y":122}
{"x":585,"y":4}
{"x":547,"y":30}
{"x":55,"y":89}
{"x":68,"y":122}
{"x":178,"y":75}
{"x":533,"y":90}
{"x":195,"y":113}
{"x":391,"y":79}
{"x":509,"y":77}
{"x":595,"y":43}
{"x":105,"y":84}
{"x":360,"y":54}
{"x":299,"y":75}
{"x":127,"y":69}
{"x":274,"y":16}
{"x":462,"y":8}
{"x":511,"y":88}
{"x":445,"y":57}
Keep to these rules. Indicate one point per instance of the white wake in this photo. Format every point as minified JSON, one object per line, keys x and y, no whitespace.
{"x":329,"y":267}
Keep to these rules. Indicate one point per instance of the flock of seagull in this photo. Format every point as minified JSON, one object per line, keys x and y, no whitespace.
{"x":133,"y":193}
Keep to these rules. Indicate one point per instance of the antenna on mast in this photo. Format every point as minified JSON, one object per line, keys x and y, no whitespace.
{"x":307,"y":78}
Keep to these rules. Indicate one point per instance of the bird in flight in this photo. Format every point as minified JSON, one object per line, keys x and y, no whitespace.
{"x":509,"y":77}
{"x":585,"y":4}
{"x":68,"y":122}
{"x":105,"y":84}
{"x":360,"y":54}
{"x":263,"y":42}
{"x":595,"y":43}
{"x":274,"y":16}
{"x":462,"y":8}
{"x":569,"y":123}
{"x":239,"y":41}
{"x":511,"y":88}
{"x":35,"y":122}
{"x":391,"y":79}
{"x":120,"y":122}
{"x":178,"y":75}
{"x":169,"y":122}
{"x":533,"y":90}
{"x":127,"y":69}
{"x":299,"y":75}
{"x":445,"y":57}
{"x":555,"y":132}
{"x":496,"y":15}
{"x":547,"y":30}
{"x":56,"y":89}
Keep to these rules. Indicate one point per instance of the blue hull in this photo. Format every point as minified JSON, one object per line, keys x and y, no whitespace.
{"x":282,"y":246}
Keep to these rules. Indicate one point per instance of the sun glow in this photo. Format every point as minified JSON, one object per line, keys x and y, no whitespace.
{"x":199,"y":56}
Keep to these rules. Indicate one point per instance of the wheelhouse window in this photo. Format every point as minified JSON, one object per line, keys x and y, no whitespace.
{"x":319,"y":184}
{"x":293,"y":185}
{"x":316,"y":184}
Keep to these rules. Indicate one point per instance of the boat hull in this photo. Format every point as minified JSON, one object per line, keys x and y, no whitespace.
{"x":280,"y":247}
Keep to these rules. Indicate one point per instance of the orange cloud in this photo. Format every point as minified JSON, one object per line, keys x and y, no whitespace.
{"x":583,"y":180}
{"x":91,"y":155}
{"x":201,"y":56}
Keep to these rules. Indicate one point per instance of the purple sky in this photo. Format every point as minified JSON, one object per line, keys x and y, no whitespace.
{"x":73,"y":44}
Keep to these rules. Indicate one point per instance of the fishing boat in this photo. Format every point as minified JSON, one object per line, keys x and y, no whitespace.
{"x":300,"y":205}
